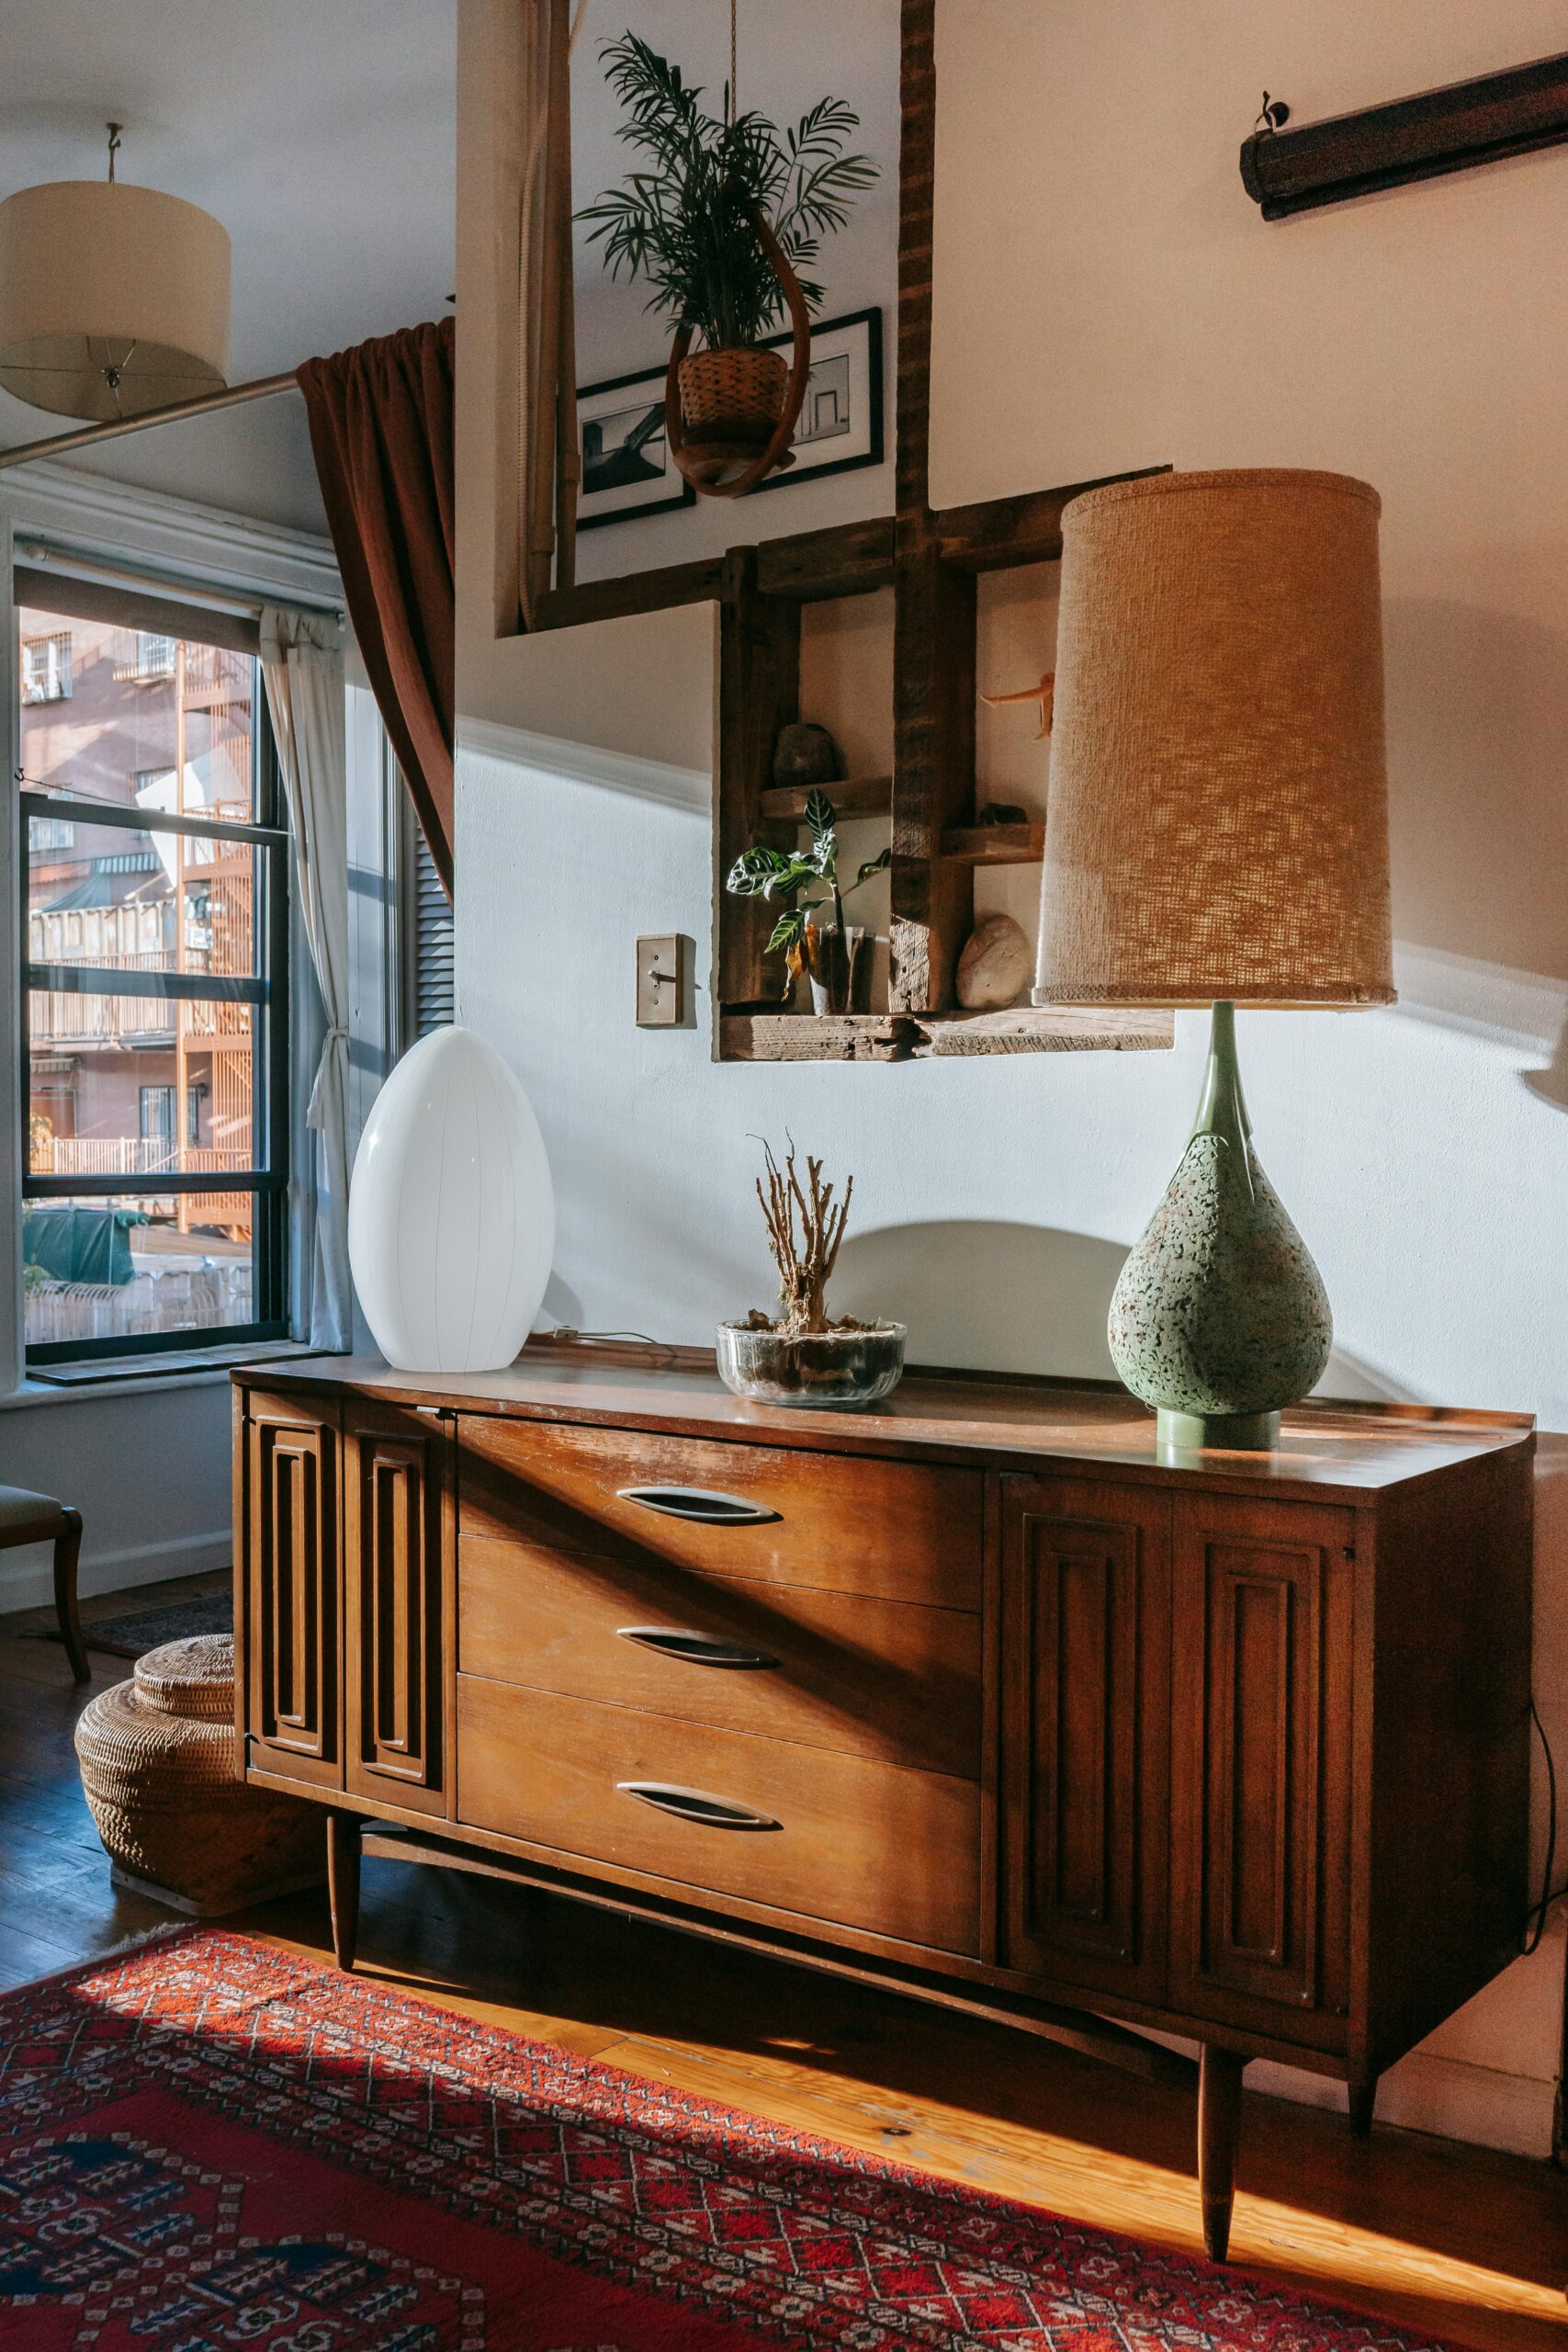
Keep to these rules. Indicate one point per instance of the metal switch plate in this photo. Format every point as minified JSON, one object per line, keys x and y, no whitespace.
{"x":661,"y":981}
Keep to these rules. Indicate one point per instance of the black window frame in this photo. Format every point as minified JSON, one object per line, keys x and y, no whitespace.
{"x":268,"y":990}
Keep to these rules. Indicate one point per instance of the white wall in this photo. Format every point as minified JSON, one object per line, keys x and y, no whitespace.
{"x":1108,"y":296}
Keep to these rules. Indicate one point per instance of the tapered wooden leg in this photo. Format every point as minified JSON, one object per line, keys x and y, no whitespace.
{"x":342,"y":1885}
{"x":67,"y":1551}
{"x":1363,"y":2095}
{"x":1219,"y":2133}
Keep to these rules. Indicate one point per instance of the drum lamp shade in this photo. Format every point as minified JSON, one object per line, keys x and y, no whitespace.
{"x":114,"y":299}
{"x":1217,"y":826}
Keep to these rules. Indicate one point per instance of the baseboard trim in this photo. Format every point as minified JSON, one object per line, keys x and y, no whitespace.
{"x":26,"y":1575}
{"x":1447,"y":2097}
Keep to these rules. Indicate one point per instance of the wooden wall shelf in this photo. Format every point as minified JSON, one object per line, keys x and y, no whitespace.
{"x":993,"y":844}
{"x":855,"y":796}
{"x":930,"y":558}
{"x":753,"y":1036}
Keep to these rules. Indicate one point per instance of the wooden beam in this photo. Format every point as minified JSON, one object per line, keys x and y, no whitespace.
{"x":700,"y":582}
{"x":758,"y":691}
{"x":1449,"y":130}
{"x":848,"y":560}
{"x":999,"y":534}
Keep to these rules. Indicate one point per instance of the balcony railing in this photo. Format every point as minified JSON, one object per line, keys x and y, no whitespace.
{"x":134,"y":1155}
{"x":55,"y":1018}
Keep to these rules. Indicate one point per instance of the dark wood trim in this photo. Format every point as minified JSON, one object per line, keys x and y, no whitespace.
{"x":846,"y":559}
{"x":1004,"y":534}
{"x":1511,"y":112}
{"x":698,"y":583}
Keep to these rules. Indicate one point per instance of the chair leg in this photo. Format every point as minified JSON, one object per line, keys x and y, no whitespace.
{"x":67,"y":1551}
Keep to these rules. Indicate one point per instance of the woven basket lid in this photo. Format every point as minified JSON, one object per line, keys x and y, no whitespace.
{"x":194,"y":1676}
{"x":128,"y":1746}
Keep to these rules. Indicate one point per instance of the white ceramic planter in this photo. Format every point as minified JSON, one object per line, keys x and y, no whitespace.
{"x":451,"y":1212}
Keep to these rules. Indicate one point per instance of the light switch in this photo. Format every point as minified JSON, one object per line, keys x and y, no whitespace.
{"x":661,"y":981}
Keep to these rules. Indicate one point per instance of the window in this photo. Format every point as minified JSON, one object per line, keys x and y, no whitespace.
{"x":156,"y":986}
{"x":143,"y":657}
{"x":431,"y":989}
{"x":46,"y":668}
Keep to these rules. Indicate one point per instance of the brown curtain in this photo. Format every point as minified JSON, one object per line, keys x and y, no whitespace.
{"x":381,"y":430}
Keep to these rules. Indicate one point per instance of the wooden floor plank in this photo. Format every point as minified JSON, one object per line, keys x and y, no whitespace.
{"x":1456,"y":2241}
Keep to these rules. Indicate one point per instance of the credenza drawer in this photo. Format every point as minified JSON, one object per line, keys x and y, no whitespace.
{"x":885,"y":1678}
{"x":895,"y":1530}
{"x":834,"y":1838}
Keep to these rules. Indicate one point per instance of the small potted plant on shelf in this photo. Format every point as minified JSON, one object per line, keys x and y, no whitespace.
{"x":830,"y":954}
{"x":801,"y":1356}
{"x":697,"y":221}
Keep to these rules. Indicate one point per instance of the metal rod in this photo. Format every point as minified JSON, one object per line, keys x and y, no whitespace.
{"x":85,"y":435}
{"x":73,"y":566}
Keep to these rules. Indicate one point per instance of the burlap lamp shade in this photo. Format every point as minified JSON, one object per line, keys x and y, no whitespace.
{"x":113,"y":298}
{"x":1218,"y":824}
{"x":1217,"y":835}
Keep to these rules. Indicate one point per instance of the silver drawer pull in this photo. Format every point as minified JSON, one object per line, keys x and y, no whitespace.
{"x":695,"y":1649}
{"x":696,"y":1805}
{"x":699,"y":1503}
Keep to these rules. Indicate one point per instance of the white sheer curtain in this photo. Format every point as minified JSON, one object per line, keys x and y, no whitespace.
{"x":301,"y":657}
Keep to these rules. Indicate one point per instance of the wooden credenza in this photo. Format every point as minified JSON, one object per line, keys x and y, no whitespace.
{"x":973,"y":1696}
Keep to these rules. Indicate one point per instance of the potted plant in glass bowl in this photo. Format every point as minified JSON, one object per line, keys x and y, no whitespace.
{"x":802,"y":1356}
{"x":720,"y":218}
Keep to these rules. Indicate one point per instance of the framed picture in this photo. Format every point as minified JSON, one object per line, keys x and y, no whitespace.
{"x":840,"y":418}
{"x":626,"y":466}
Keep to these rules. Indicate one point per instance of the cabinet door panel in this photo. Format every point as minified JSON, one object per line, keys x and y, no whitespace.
{"x":1085,"y":1643}
{"x":396,"y":1546}
{"x":289,"y":1528}
{"x":1263,"y":1603}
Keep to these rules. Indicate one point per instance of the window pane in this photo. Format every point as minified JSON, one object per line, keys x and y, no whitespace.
{"x":106,"y":1072}
{"x":146,"y":903}
{"x":108,"y":1270}
{"x":106,"y":711}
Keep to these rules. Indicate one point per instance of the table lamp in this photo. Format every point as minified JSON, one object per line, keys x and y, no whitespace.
{"x":1217,"y":835}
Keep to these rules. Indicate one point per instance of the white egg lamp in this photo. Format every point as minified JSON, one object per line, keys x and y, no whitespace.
{"x":451,"y":1211}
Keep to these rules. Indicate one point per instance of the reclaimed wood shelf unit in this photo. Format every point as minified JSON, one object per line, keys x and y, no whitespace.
{"x":930,"y":559}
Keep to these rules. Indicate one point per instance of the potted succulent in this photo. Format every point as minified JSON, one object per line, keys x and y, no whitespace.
{"x":801,"y":1356}
{"x":688,"y":222}
{"x":830,"y":954}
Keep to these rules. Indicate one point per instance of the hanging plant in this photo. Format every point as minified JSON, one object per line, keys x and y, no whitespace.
{"x":720,"y":223}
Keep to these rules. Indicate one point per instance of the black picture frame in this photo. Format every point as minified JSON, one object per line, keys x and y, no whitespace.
{"x":860,"y":333}
{"x":678,"y":492}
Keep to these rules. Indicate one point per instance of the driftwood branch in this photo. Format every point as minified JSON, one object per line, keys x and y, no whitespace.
{"x":804,"y":1261}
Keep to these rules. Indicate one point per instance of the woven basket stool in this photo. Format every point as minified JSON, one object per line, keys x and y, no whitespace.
{"x":158,"y":1769}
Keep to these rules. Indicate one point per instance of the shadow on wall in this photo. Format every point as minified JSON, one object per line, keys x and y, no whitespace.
{"x":1477,"y":813}
{"x":1016,"y":1298}
{"x":1008,"y":1297}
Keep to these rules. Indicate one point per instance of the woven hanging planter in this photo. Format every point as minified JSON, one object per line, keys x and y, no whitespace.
{"x":730,"y":414}
{"x":160,"y":1774}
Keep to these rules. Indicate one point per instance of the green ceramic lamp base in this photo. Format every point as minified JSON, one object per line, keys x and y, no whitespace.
{"x":1242,"y":1432}
{"x":1220,"y":1316}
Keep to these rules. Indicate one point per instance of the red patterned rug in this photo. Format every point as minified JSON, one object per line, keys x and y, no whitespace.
{"x":207,"y":2144}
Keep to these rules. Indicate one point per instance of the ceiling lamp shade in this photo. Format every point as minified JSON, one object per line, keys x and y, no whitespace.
{"x":1218,"y":818}
{"x":114,"y":300}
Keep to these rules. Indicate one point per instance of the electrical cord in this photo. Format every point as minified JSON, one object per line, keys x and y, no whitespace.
{"x":1536,"y":1917}
{"x":570,"y":1331}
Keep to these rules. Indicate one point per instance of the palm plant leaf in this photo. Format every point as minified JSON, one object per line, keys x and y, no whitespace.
{"x":685,"y":221}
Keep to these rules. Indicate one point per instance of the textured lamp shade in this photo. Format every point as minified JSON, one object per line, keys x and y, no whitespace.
{"x":1218,"y":823}
{"x":114,"y":299}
